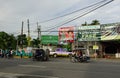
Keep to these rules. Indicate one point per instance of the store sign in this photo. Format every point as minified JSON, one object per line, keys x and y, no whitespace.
{"x":49,"y":39}
{"x":110,"y":31}
{"x":95,"y":47}
{"x":89,"y":27}
{"x":89,"y":33}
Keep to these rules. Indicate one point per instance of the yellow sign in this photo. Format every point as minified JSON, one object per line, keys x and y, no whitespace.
{"x":95,"y":47}
{"x":29,"y":39}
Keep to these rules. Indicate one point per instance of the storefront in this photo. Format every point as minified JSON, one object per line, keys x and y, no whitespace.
{"x":110,"y":38}
{"x":88,"y":37}
{"x":106,"y":37}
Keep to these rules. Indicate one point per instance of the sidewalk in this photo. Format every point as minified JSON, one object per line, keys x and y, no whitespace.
{"x":115,"y":60}
{"x":20,"y":57}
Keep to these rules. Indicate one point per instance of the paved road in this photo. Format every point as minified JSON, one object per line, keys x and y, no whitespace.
{"x":59,"y":68}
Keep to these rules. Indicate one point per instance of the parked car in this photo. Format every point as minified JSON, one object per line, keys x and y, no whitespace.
{"x":60,"y":52}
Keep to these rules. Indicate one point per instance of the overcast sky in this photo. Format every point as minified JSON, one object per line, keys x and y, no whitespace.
{"x":13,"y":12}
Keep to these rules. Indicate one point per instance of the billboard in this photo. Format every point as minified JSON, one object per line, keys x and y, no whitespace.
{"x":110,"y":31}
{"x":49,"y":39}
{"x":89,"y":33}
{"x":66,"y":34}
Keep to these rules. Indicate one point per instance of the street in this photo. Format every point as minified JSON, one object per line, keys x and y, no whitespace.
{"x":58,"y":68}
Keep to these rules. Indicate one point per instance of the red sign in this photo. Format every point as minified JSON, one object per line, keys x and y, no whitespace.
{"x":66,"y":34}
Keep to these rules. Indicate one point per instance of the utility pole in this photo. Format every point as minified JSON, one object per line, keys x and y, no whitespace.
{"x":21,"y":41}
{"x":29,"y":38}
{"x":39,"y":32}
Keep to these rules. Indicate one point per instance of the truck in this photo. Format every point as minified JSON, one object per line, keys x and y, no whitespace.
{"x":60,"y":52}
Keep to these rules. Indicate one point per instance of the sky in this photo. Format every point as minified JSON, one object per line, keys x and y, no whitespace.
{"x":13,"y":12}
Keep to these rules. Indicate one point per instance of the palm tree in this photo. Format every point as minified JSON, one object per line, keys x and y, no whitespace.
{"x":95,"y":22}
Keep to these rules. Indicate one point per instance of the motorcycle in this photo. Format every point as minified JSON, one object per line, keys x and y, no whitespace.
{"x":79,"y":59}
{"x":79,"y":56}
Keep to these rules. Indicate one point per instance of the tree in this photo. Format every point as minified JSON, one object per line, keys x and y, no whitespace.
{"x":95,"y":22}
{"x":7,"y":41}
{"x":85,"y":24}
{"x":36,"y":42}
{"x":22,"y":40}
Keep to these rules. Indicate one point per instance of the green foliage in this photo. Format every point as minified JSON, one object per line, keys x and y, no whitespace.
{"x":68,"y":46}
{"x":22,"y":40}
{"x":94,"y":22}
{"x":85,"y":24}
{"x":35,"y":42}
{"x":7,"y":41}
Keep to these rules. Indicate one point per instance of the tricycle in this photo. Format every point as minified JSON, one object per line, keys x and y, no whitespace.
{"x":40,"y":55}
{"x":79,"y":55}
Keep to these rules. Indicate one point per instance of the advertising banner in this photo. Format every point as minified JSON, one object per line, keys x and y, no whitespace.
{"x":89,"y":33}
{"x":66,"y":34}
{"x":49,"y":39}
{"x":110,"y":31}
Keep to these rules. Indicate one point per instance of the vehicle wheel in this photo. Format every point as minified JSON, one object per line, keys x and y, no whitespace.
{"x":33,"y":58}
{"x":54,"y":55}
{"x":72,"y":59}
{"x":70,"y":55}
{"x":46,"y":58}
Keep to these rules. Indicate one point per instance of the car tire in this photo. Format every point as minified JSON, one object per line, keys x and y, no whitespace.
{"x":73,"y":60}
{"x":69,"y":55}
{"x":54,"y":55}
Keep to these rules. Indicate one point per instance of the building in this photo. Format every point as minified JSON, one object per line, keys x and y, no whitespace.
{"x":101,"y":39}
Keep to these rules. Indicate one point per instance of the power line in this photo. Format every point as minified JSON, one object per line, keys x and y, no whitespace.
{"x":72,"y":12}
{"x":81,"y":15}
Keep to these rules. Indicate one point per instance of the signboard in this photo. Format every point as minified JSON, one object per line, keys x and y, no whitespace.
{"x":95,"y":47}
{"x":66,"y":34}
{"x":49,"y":39}
{"x":110,"y":31}
{"x":89,"y":33}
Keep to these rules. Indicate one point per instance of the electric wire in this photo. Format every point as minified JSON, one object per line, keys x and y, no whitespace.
{"x":81,"y":15}
{"x":72,"y":12}
{"x":93,"y":5}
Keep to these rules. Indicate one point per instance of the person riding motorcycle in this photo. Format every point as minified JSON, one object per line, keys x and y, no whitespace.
{"x":79,"y":56}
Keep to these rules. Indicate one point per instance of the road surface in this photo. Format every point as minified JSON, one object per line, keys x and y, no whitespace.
{"x":59,"y":68}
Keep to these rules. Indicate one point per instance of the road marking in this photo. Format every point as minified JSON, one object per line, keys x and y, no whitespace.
{"x":33,"y":66}
{"x":16,"y":75}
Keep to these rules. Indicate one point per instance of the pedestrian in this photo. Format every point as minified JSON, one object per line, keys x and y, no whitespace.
{"x":21,"y":54}
{"x":0,"y":52}
{"x":47,"y":53}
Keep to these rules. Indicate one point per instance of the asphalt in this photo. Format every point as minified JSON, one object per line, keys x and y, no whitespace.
{"x":53,"y":60}
{"x":106,"y":60}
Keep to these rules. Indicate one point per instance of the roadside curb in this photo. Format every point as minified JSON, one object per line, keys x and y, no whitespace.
{"x":26,"y":57}
{"x":106,"y":60}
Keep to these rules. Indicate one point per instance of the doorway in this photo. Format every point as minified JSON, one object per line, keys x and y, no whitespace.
{"x":110,"y":50}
